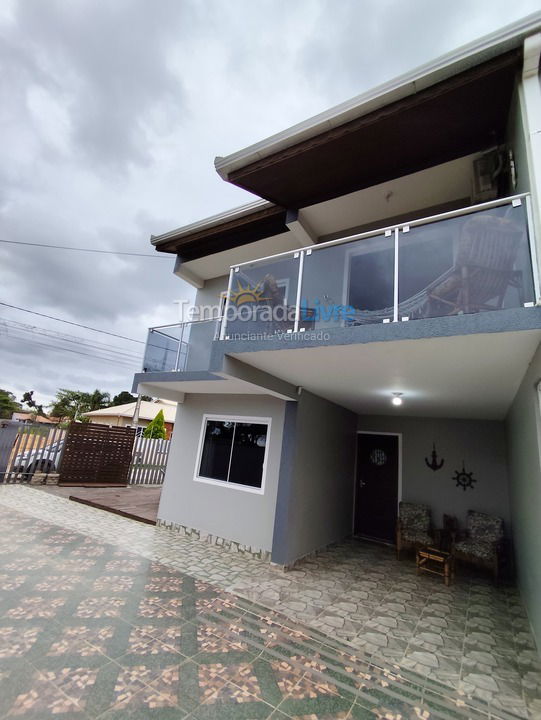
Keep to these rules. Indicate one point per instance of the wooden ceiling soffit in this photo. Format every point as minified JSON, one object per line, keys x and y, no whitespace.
{"x":233,"y":233}
{"x":276,"y":177}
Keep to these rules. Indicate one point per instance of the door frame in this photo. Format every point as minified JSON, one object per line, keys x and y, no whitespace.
{"x":399,"y":484}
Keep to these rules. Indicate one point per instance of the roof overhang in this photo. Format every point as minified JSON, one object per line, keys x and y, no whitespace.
{"x":277,"y":148}
{"x":225,"y":231}
{"x":415,"y":128}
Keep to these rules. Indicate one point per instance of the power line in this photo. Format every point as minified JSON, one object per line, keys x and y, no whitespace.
{"x":77,"y":352}
{"x":69,"y":322}
{"x":79,"y":249}
{"x":86,"y":327}
{"x":21,"y":334}
{"x":67,"y":338}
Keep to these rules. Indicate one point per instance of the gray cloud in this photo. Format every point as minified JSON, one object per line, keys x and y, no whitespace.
{"x":107,"y":64}
{"x":111,"y":114}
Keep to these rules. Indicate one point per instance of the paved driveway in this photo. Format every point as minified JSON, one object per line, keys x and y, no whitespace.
{"x":101,"y":614}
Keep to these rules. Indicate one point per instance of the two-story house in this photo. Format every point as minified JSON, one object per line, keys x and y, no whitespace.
{"x":378,"y":304}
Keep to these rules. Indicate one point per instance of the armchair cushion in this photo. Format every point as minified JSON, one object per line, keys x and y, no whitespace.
{"x":484,"y":528}
{"x":414,"y":518}
{"x":476,"y":548}
{"x":417,"y":537}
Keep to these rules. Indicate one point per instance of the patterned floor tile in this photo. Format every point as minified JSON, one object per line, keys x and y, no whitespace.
{"x":82,"y":640}
{"x":124,"y":620}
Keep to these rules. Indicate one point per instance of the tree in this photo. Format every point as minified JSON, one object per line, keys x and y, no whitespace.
{"x":28,"y":399}
{"x":97,"y":400}
{"x":125,"y":397}
{"x":156,"y":428}
{"x":8,"y":404}
{"x":71,"y":404}
{"x":66,"y":404}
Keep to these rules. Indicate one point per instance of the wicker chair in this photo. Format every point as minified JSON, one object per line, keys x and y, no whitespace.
{"x":481,"y":545}
{"x":413,"y":527}
{"x":483,"y":269}
{"x":482,"y":272}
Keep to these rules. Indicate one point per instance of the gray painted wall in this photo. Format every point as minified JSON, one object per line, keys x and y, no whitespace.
{"x":316,"y":482}
{"x":516,"y":138}
{"x":482,"y":446}
{"x":524,"y":440}
{"x":226,"y":511}
{"x":209,"y":294}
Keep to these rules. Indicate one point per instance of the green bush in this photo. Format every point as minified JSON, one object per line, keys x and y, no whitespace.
{"x":156,"y":428}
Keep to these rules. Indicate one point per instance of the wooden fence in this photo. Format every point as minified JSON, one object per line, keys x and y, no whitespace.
{"x":38,"y":447}
{"x":96,"y":455}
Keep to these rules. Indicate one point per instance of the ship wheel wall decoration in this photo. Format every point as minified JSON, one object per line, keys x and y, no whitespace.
{"x":464,"y":479}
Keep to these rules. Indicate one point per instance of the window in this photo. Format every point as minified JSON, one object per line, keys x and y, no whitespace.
{"x":234,"y":451}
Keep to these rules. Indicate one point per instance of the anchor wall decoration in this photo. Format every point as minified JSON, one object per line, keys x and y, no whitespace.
{"x":434,"y":464}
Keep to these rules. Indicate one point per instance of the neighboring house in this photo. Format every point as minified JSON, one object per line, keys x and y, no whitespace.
{"x":399,"y":233}
{"x":122,"y":415}
{"x":28,"y":417}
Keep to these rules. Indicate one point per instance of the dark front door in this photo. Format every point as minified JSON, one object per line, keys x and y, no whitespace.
{"x":376,"y":493}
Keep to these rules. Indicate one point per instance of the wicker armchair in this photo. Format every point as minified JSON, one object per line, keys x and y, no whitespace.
{"x":483,"y":269}
{"x":481,"y":545}
{"x":413,"y":527}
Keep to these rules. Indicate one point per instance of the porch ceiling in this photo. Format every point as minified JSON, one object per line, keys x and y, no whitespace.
{"x":468,"y":376}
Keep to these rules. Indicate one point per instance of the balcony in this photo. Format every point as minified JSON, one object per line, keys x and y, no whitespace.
{"x":182,"y":347}
{"x":473,"y":260}
{"x":477,"y":259}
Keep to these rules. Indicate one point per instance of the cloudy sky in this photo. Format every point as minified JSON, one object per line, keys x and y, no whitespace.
{"x":111,"y":113}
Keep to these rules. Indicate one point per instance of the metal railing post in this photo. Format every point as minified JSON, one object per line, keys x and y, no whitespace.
{"x":395,"y":296}
{"x":533,"y":248}
{"x":299,"y":291}
{"x":226,"y":308}
{"x":181,"y":326}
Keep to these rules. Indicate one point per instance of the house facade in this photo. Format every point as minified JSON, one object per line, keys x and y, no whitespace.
{"x":369,"y":330}
{"x":122,"y":415}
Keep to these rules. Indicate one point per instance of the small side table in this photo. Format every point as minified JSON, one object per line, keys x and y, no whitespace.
{"x":437,"y":562}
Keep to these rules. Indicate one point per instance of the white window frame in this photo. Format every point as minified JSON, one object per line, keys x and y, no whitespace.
{"x":225,"y":483}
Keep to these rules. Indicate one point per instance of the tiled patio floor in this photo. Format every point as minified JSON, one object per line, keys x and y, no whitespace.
{"x":102,"y":616}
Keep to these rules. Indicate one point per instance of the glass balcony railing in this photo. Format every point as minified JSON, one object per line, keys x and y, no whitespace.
{"x":468,"y":261}
{"x":472,"y":260}
{"x":181,"y":347}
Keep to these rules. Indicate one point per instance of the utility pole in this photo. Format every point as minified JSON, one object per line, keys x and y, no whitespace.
{"x":135,"y":419}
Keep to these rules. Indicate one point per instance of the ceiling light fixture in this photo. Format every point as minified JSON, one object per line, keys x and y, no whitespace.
{"x":397,"y":399}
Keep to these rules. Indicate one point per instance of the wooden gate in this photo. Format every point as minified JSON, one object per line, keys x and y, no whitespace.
{"x":8,"y":433}
{"x":96,"y":455}
{"x":27,"y":448}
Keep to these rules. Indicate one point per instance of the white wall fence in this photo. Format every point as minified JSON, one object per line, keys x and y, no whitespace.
{"x":29,"y":448}
{"x":149,"y":460}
